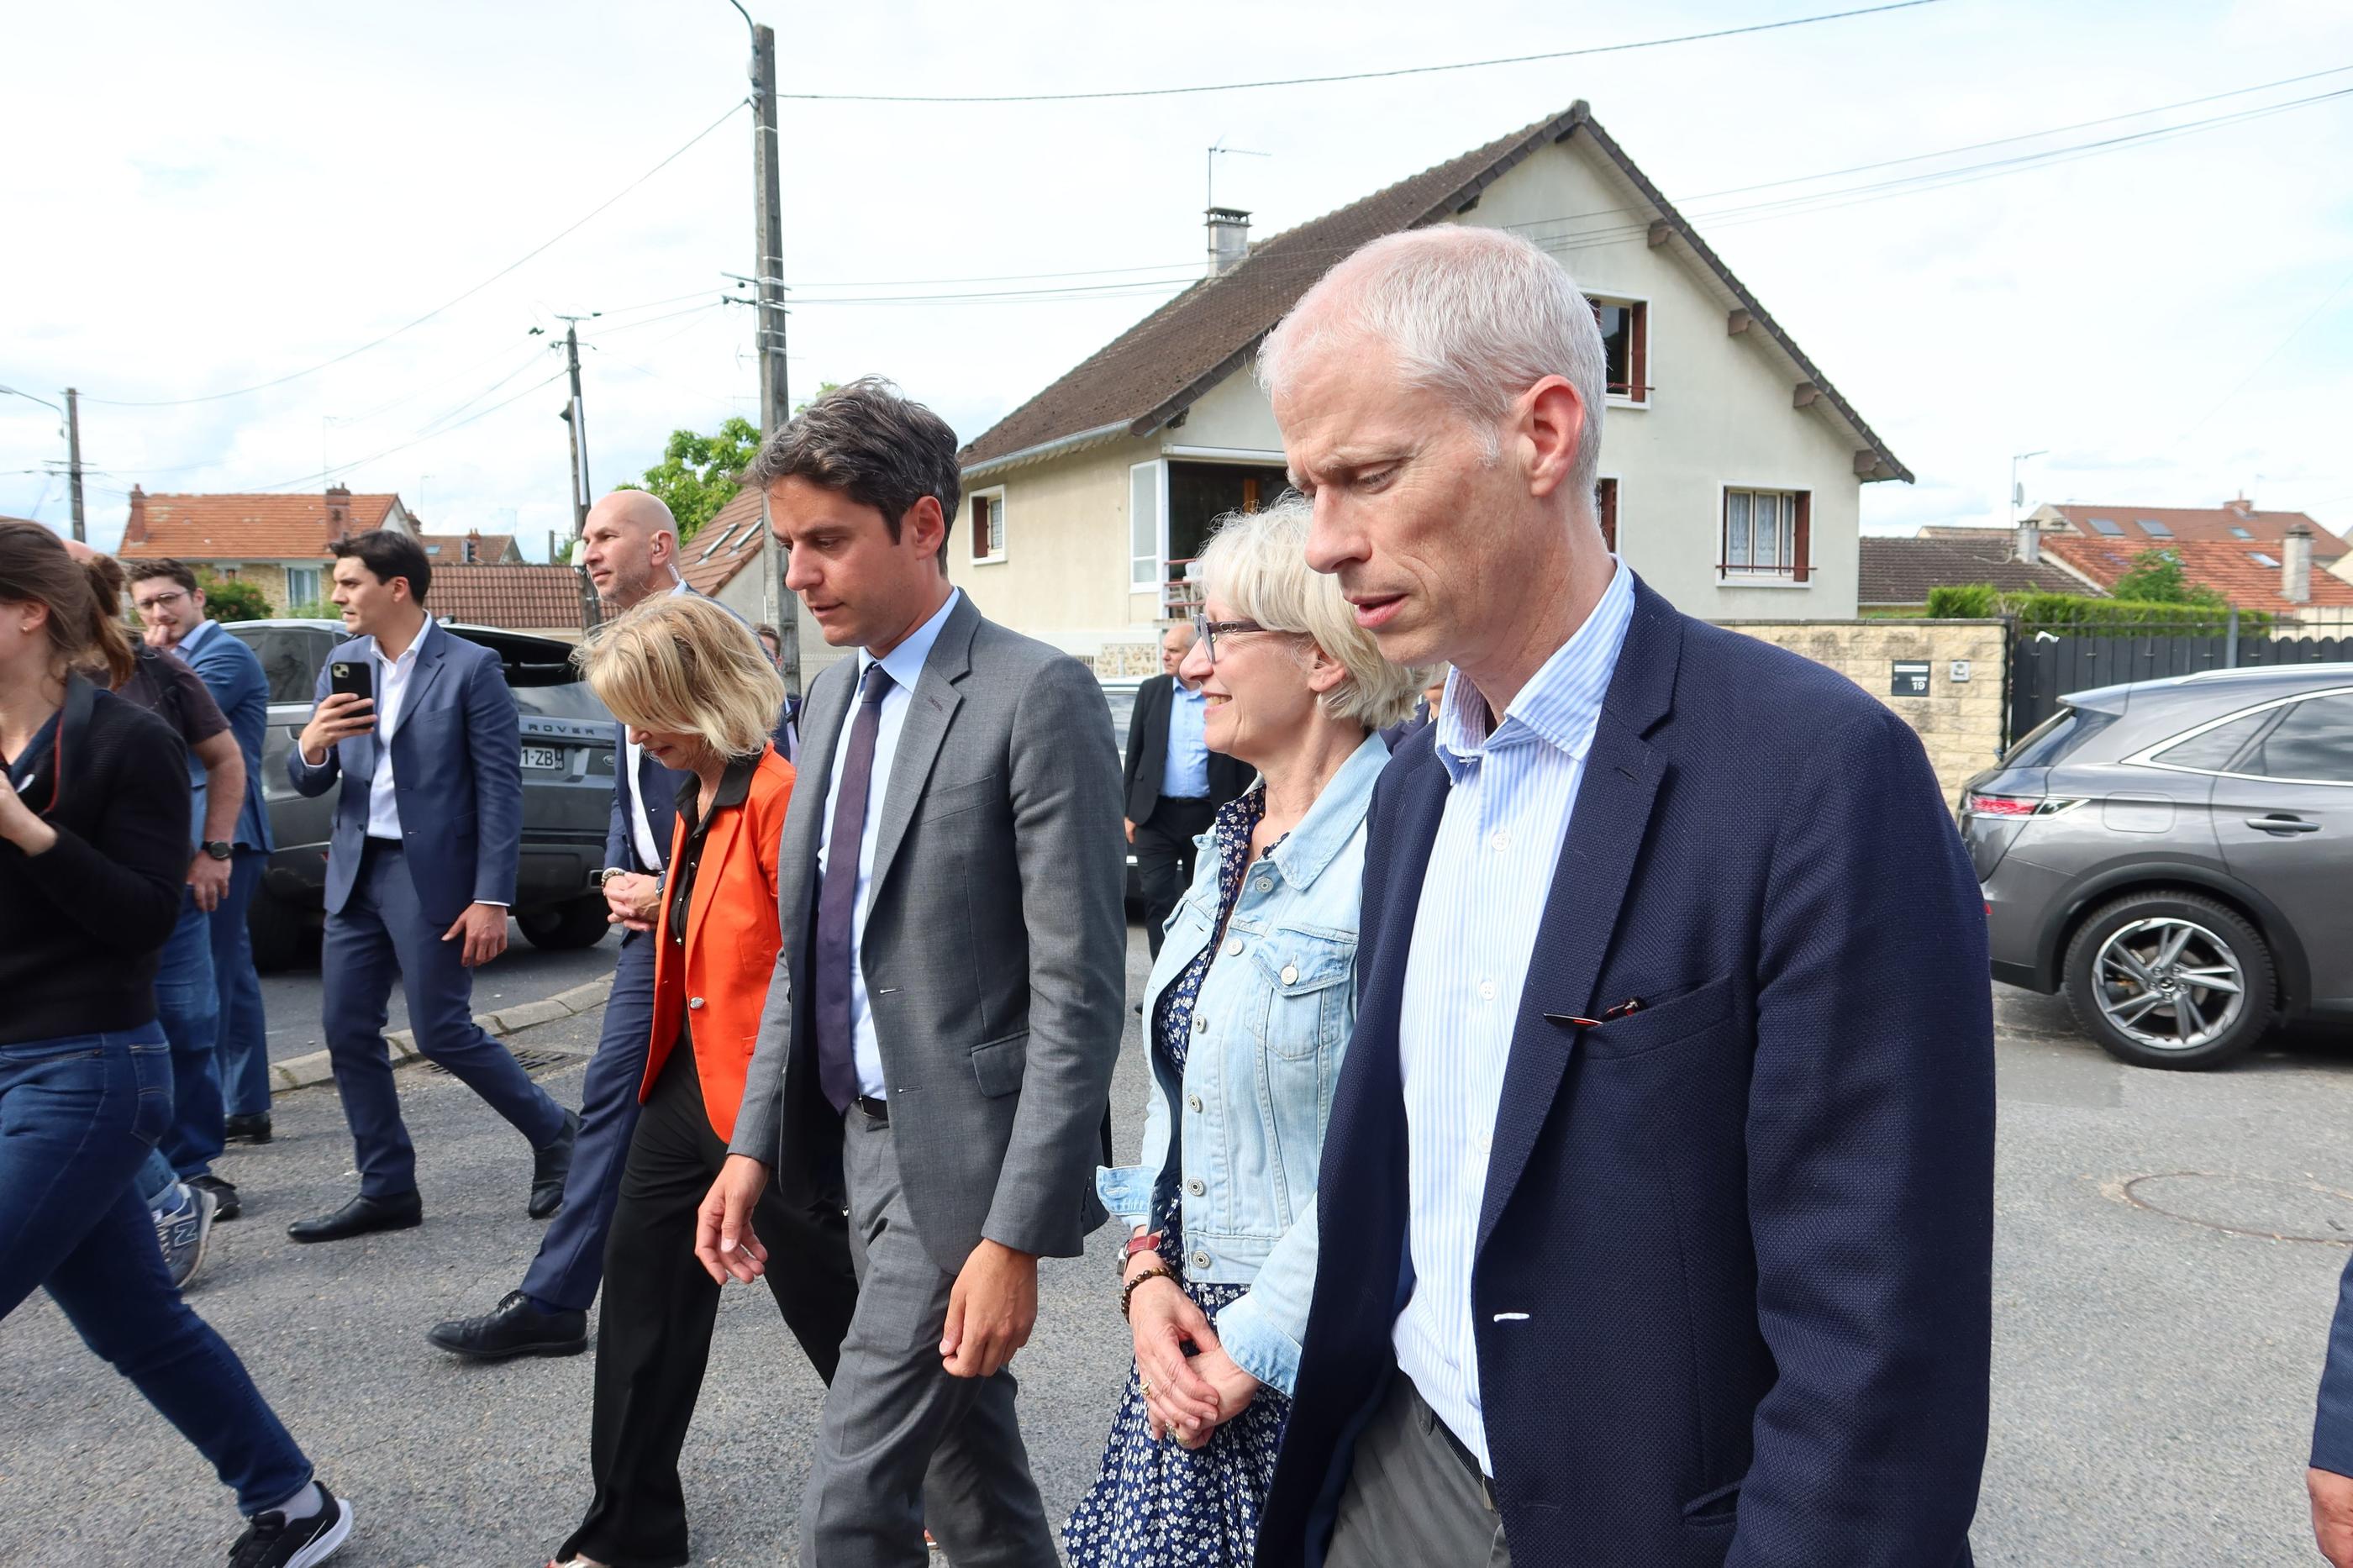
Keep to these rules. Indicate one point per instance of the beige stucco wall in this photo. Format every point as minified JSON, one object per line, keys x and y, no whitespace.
{"x":1958,"y":722}
{"x":1064,"y":577}
{"x":1232,"y":416}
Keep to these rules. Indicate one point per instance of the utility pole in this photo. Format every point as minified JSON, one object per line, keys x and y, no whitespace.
{"x":576,"y":416}
{"x":73,"y":460}
{"x":768,"y":284}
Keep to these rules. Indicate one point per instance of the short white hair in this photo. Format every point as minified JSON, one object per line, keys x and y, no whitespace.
{"x":1474,"y":315}
{"x":1256,"y":565}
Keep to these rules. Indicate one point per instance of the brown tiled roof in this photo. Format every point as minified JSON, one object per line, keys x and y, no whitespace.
{"x":241,"y":527}
{"x":1901,"y":570}
{"x":1153,"y":372}
{"x":449,"y":549}
{"x":725,"y":545}
{"x":518,"y":598}
{"x":2227,"y":566}
{"x":2198,"y":524}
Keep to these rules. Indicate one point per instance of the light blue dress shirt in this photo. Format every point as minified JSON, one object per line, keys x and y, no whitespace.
{"x":1491,"y":871}
{"x":905,"y":664}
{"x":1185,"y":774}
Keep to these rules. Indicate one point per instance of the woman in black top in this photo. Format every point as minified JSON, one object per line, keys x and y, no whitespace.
{"x":93,"y":849}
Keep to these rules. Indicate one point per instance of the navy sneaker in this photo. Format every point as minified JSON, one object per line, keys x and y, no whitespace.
{"x":183,"y":1232}
{"x":272,"y":1540}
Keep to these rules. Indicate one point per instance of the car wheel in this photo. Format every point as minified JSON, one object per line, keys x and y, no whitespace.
{"x":282,"y":936}
{"x":566,"y":927}
{"x":2171,"y":979}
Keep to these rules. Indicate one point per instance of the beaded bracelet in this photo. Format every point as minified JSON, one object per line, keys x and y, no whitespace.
{"x":1128,"y":1290}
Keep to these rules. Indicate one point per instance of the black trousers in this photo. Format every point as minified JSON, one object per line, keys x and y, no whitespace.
{"x":654,"y":1339}
{"x":1163,"y":858}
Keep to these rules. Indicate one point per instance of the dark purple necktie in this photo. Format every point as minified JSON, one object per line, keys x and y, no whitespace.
{"x":837,"y":900}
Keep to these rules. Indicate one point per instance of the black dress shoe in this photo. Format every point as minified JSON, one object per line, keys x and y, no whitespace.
{"x":515,"y":1328}
{"x":252,"y":1127}
{"x":549,"y":1166}
{"x":225,"y":1206}
{"x":361,"y":1216}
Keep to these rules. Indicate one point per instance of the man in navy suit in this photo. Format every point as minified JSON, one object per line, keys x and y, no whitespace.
{"x":421,"y":873}
{"x":1657,"y":1195}
{"x":2329,"y":1477}
{"x":630,"y":546}
{"x":171,"y":604}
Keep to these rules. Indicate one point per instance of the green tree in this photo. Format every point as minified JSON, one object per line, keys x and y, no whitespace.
{"x":822,"y":388}
{"x":232,"y":599}
{"x":697,"y":474}
{"x":2157,"y":577}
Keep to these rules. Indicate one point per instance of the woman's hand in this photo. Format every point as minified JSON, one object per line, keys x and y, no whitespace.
{"x":20,"y":827}
{"x":1234,"y":1388}
{"x":1165,"y":1321}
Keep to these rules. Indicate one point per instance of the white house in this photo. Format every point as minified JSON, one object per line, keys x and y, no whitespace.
{"x":1730,"y":467}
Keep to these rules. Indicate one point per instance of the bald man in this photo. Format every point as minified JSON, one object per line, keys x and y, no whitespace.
{"x":631,"y":549}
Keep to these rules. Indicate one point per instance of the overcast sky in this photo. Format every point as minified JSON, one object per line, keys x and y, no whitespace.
{"x":202,"y":199}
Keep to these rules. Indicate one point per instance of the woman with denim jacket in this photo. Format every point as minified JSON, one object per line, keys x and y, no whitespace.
{"x":1248,"y":1014}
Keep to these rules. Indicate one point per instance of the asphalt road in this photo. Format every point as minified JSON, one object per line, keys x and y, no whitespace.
{"x":2153,"y":1384}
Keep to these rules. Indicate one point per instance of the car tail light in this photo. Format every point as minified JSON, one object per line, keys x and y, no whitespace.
{"x":2018,"y":805}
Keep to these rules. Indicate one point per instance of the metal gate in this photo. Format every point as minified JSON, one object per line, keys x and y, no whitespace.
{"x":2047,"y":662}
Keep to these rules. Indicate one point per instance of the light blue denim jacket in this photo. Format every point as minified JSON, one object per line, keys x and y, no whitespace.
{"x":1270,"y":1029}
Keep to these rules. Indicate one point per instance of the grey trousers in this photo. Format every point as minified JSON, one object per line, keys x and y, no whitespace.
{"x":902,"y":1446}
{"x":1413,"y":1495}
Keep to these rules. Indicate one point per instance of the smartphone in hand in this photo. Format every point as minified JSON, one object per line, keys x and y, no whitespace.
{"x":351,"y":678}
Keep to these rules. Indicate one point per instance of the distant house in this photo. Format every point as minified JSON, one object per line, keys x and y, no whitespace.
{"x":2235,"y":521}
{"x":1730,"y":467}
{"x":516,"y":598}
{"x":2277,"y":575}
{"x":471,"y":548}
{"x":277,"y":543}
{"x":1894,"y":576}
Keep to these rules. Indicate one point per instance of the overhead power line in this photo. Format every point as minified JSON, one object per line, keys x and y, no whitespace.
{"x":446,"y":304}
{"x":1347,"y":75}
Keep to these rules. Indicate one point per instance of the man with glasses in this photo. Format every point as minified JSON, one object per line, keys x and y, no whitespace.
{"x":222,"y":878}
{"x":1174,"y":782}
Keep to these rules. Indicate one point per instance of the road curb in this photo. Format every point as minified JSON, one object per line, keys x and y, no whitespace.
{"x":304,"y":1072}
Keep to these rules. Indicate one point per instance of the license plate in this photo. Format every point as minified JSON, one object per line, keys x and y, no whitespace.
{"x":548,"y":757}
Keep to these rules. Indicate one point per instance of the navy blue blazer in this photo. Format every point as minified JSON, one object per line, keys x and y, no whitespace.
{"x":659,"y":786}
{"x":232,"y":673}
{"x":2332,"y":1424}
{"x":1733,"y":1293}
{"x":456,"y":763}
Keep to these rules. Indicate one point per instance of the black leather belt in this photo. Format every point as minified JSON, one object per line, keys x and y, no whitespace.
{"x":875,"y":1110}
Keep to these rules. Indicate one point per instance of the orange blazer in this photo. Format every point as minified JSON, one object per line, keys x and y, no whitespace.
{"x":719,"y":983}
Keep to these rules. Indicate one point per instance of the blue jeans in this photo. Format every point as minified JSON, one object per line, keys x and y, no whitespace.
{"x":77,"y":1117}
{"x":241,"y":1051}
{"x":188,"y":1007}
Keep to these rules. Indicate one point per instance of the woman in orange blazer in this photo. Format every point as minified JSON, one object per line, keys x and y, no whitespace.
{"x":696,"y":691}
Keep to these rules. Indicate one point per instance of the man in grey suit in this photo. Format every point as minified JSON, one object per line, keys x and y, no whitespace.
{"x":946,"y":1012}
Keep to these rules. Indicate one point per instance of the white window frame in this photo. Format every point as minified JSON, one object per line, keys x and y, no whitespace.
{"x":1778,"y":579}
{"x":995,"y":496}
{"x":1620,"y":297}
{"x":1154,"y":567}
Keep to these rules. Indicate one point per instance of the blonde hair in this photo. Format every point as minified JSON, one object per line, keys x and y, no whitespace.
{"x":681,"y":664}
{"x":1257,"y":567}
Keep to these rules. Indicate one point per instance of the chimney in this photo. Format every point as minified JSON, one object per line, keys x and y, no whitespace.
{"x":1228,"y":240}
{"x":339,"y":511}
{"x":2296,"y":565}
{"x":135,"y":531}
{"x":2239,"y":507}
{"x":2029,"y":541}
{"x":473,"y":546}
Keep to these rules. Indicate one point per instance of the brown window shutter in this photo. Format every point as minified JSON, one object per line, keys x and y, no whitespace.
{"x":1801,"y":543}
{"x":1606,"y":506}
{"x":1639,"y":367}
{"x":1723,"y":532}
{"x":979,"y":528}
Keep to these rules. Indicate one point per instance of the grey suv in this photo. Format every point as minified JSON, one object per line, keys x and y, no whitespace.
{"x":567,"y":789}
{"x":2177,"y":857}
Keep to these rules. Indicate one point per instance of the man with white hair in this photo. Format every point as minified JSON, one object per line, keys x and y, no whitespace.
{"x":1657,"y":1191}
{"x":629,"y":548}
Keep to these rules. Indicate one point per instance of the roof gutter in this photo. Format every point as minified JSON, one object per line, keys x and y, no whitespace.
{"x":1044,"y":449}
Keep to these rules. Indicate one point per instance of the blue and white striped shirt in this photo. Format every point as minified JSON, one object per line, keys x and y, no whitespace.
{"x":1491,"y":871}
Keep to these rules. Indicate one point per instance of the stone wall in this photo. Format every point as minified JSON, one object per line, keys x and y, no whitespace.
{"x":1959,"y":722}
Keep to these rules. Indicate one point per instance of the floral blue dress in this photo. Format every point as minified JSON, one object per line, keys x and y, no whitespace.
{"x":1157,"y":1505}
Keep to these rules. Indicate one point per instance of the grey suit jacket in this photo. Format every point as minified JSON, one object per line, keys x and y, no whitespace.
{"x":994,"y":948}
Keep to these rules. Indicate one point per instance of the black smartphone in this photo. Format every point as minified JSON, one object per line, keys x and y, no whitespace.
{"x":351,"y":678}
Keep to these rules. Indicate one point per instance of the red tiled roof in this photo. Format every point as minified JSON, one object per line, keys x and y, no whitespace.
{"x":725,"y":545}
{"x":449,"y":549}
{"x":1156,"y":369}
{"x":2196,"y":524}
{"x":2227,"y":566}
{"x":1901,"y":570}
{"x":241,"y":527}
{"x":517,"y":598}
